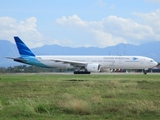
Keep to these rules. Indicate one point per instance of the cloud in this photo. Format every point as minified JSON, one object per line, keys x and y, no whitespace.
{"x":27,"y":31}
{"x":10,"y":27}
{"x":127,"y":29}
{"x":73,"y":20}
{"x":152,"y":21}
{"x":113,"y":30}
{"x":76,"y":32}
{"x":95,"y":31}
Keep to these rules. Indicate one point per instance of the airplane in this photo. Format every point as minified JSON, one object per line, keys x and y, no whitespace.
{"x":82,"y":64}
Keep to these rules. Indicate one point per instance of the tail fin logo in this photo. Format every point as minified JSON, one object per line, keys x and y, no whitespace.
{"x":22,"y":48}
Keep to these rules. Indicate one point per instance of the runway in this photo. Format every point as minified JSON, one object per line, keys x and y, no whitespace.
{"x":102,"y":73}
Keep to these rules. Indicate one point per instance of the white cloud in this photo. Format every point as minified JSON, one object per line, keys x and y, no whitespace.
{"x":10,"y":27}
{"x":77,"y":32}
{"x":106,"y":39}
{"x":113,"y":30}
{"x":95,"y":31}
{"x":152,"y":21}
{"x":71,"y":21}
{"x":129,"y":30}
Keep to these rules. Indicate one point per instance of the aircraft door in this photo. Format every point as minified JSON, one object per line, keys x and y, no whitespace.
{"x":141,"y":62}
{"x":120,"y":64}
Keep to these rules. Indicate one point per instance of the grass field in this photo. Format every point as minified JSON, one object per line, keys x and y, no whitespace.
{"x":79,"y":97}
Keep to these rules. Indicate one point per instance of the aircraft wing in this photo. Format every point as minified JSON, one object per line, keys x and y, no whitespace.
{"x":71,"y":62}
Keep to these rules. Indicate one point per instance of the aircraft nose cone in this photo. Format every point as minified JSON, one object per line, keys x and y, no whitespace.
{"x":156,"y":63}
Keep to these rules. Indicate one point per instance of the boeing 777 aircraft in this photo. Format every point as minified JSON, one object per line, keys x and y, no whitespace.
{"x":82,"y":64}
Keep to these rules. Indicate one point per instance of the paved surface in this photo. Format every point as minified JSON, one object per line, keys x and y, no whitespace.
{"x":104,"y":73}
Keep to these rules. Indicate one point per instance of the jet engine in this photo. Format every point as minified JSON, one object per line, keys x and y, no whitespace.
{"x":93,"y":67}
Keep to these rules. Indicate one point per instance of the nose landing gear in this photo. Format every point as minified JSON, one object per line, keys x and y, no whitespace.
{"x":144,"y":71}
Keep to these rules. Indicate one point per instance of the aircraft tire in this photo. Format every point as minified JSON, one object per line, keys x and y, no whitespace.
{"x":82,"y":72}
{"x":144,"y":72}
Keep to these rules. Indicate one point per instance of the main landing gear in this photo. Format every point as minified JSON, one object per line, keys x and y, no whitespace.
{"x":82,"y":72}
{"x":144,"y":71}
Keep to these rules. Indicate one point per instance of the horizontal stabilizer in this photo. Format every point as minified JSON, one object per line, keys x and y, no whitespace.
{"x":17,"y":59}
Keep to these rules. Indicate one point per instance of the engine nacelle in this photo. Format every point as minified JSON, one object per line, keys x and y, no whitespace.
{"x":93,"y":67}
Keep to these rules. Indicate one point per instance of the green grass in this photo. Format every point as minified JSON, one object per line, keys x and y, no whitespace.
{"x":79,"y":97}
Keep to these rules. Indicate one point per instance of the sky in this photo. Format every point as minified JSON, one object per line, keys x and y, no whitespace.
{"x":80,"y":23}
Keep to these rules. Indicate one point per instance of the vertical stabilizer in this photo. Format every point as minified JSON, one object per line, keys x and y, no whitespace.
{"x":22,"y":48}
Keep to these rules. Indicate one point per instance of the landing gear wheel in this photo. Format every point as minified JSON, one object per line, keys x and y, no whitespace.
{"x":144,"y":72}
{"x":82,"y":72}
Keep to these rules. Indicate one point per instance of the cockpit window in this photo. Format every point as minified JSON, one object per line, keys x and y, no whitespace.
{"x":151,"y":60}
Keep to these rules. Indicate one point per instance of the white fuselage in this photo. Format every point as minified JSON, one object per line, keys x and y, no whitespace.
{"x":111,"y":62}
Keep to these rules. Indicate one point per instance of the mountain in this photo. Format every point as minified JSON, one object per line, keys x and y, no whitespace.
{"x":7,"y":49}
{"x":148,"y":49}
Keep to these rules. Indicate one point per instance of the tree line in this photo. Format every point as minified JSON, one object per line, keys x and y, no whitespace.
{"x":30,"y":69}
